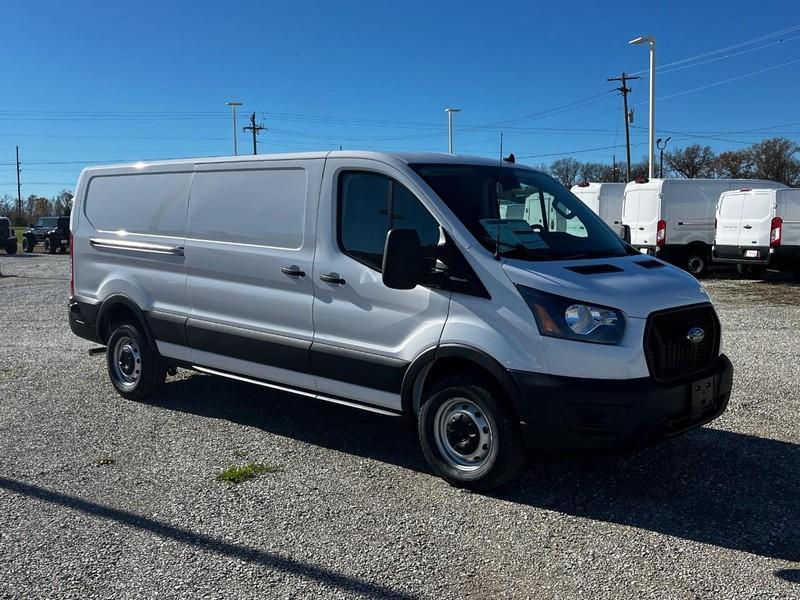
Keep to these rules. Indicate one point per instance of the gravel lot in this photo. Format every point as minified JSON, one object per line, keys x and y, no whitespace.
{"x":103,"y":497}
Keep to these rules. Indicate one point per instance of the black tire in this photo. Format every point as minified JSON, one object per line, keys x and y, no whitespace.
{"x":27,"y":245}
{"x":483,"y":429}
{"x":49,"y":247}
{"x":135,"y":368}
{"x":61,"y":249}
{"x":750,"y":271}
{"x":697,"y":261}
{"x":11,"y":248}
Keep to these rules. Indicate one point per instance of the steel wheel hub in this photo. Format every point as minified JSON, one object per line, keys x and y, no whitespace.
{"x":464,"y":435}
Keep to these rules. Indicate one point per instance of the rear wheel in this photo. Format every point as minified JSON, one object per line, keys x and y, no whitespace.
{"x":135,"y":368}
{"x":468,"y":436}
{"x":27,"y":245}
{"x":750,"y":271}
{"x":49,"y":247}
{"x":697,"y":261}
{"x":11,"y":247}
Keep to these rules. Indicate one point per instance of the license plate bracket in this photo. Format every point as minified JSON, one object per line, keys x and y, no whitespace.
{"x":702,"y":396}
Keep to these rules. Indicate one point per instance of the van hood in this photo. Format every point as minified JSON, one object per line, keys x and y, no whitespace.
{"x":636,"y":285}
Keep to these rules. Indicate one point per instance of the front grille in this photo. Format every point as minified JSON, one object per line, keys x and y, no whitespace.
{"x":670,"y":355}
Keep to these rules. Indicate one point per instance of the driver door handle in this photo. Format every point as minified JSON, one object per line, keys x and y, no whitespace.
{"x":293,"y":270}
{"x":332,"y":278}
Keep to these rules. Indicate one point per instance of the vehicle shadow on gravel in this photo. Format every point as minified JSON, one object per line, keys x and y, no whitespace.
{"x":711,"y":486}
{"x":205,"y":542}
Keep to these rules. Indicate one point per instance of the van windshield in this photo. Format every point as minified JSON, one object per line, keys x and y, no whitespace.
{"x":535,"y":216}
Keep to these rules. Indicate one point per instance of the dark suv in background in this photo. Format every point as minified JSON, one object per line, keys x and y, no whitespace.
{"x":8,"y":238}
{"x":53,"y":232}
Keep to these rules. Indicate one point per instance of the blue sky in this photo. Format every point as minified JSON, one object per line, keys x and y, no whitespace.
{"x":90,"y":81}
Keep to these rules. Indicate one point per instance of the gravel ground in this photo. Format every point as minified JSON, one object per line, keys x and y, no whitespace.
{"x":101,"y":497}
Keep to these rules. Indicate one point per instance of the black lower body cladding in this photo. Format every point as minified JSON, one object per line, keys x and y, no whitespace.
{"x":572,"y":414}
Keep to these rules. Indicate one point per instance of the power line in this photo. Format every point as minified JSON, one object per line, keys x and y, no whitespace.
{"x":736,"y":46}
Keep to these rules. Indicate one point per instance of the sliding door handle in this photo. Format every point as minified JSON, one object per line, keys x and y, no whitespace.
{"x":332,"y":278}
{"x":293,"y":270}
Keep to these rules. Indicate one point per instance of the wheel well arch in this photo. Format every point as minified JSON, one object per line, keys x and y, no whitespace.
{"x":120,"y":309}
{"x":698,"y":244}
{"x":454,"y":359}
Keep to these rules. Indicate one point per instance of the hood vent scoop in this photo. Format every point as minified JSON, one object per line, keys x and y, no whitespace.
{"x":649,"y":264}
{"x":594,"y":269}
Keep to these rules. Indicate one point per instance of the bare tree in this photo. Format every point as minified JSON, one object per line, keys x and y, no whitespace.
{"x":774,"y":159}
{"x":692,"y":162}
{"x":735,"y":164}
{"x":566,"y":171}
{"x":641,"y":169}
{"x":62,"y":203}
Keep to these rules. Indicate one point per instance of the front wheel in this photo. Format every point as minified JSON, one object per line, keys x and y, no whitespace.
{"x":11,"y":248}
{"x":468,"y":436}
{"x":49,"y":247}
{"x":135,"y":368}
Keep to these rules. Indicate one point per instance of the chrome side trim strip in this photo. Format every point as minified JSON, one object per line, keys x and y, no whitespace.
{"x":290,"y":390}
{"x":133,"y":246}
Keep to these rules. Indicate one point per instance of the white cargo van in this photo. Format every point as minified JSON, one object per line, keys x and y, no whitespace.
{"x":674,"y":218}
{"x":388,"y":283}
{"x":605,"y":199}
{"x":759,"y":228}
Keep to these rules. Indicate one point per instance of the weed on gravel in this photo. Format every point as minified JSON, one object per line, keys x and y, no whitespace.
{"x":240,"y":474}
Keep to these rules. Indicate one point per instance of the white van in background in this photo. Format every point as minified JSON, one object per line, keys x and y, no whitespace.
{"x":674,"y":218}
{"x":759,"y":228}
{"x":388,"y":282}
{"x":605,"y":199}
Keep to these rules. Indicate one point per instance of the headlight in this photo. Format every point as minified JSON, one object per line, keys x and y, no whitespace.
{"x":561,"y":317}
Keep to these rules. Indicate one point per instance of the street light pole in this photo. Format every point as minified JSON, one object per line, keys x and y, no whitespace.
{"x":450,"y":112}
{"x":652,"y":43}
{"x":661,"y":157}
{"x":233,"y":106}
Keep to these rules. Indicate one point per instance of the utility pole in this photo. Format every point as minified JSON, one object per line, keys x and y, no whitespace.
{"x":625,"y":90}
{"x":233,"y":106}
{"x":255,"y":130}
{"x":19,"y":190}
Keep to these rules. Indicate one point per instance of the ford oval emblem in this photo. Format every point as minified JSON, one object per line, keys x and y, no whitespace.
{"x":695,"y":335}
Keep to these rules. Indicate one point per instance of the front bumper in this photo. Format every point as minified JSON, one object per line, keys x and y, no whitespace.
{"x":567,"y":414}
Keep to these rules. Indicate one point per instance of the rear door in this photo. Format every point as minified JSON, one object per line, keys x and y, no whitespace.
{"x":366,"y":334}
{"x":729,"y":217}
{"x":757,"y":212}
{"x":642,"y":209}
{"x":249,"y":253}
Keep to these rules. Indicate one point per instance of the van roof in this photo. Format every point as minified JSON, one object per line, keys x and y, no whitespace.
{"x":389,"y":157}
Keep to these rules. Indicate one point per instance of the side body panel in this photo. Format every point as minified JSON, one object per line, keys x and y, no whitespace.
{"x":129,"y":235}
{"x":249,"y":224}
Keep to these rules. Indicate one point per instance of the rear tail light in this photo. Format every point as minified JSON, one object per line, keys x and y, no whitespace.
{"x":661,"y":233}
{"x":71,"y":266}
{"x":775,"y":232}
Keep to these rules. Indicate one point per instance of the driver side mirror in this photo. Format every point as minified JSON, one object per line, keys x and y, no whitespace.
{"x":402,"y":259}
{"x":623,"y":231}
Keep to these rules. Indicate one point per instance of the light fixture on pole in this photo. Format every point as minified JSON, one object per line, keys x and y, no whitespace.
{"x":649,"y":40}
{"x":661,"y":157}
{"x":233,"y":106}
{"x":450,"y":112}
